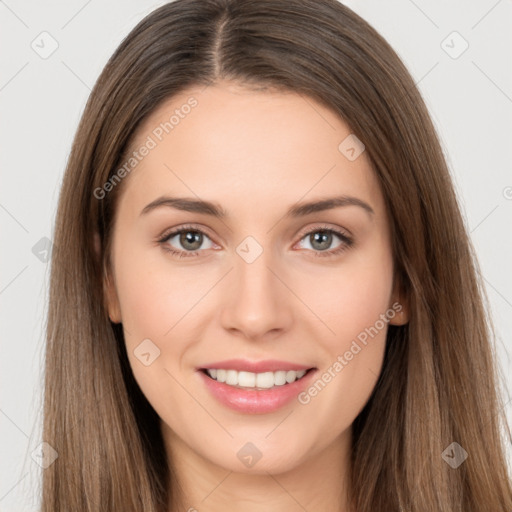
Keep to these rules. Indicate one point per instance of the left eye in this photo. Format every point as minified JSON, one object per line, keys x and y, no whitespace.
{"x":191,"y":240}
{"x":322,"y":239}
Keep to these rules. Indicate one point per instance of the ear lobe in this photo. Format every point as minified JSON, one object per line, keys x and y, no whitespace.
{"x":400,"y":305}
{"x":109,"y":289}
{"x":112,"y":301}
{"x":401,"y":316}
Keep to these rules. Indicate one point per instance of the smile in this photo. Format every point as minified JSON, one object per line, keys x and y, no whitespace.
{"x":255,"y":392}
{"x":258,"y":381}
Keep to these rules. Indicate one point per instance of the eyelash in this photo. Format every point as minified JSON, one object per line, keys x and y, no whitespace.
{"x":347,"y":242}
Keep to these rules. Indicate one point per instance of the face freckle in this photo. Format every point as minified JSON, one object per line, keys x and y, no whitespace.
{"x":258,"y":286}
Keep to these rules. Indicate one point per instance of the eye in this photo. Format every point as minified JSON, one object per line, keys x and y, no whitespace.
{"x":188,"y":237}
{"x":320,"y":239}
{"x":187,"y":241}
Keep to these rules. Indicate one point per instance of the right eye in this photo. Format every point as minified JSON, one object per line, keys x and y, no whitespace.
{"x":190,"y":238}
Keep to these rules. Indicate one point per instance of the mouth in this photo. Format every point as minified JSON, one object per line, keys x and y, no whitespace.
{"x":255,"y":381}
{"x":273,"y":384}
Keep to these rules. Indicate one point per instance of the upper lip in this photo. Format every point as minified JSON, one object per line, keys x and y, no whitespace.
{"x":269,"y":365}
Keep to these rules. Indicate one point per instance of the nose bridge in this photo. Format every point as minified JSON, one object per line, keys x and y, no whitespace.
{"x":258,"y":303}
{"x":254,"y":278}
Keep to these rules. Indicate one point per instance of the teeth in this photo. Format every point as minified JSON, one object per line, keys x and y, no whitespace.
{"x":264,"y":380}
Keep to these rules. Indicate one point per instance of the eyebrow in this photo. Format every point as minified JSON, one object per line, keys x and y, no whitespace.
{"x":214,"y":209}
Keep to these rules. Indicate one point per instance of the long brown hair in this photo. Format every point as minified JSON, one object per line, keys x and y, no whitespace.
{"x":439,"y":380}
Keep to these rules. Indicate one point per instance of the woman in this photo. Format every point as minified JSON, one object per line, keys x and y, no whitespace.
{"x":322,"y":343}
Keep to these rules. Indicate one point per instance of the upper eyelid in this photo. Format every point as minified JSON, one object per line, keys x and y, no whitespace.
{"x":175,"y":231}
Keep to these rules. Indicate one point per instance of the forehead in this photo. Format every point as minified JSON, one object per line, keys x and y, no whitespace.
{"x":243,"y":148}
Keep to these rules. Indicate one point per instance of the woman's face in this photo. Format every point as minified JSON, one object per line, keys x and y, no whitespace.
{"x":271,"y":281}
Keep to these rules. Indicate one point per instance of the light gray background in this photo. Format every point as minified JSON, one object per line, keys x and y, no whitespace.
{"x":41,"y":100}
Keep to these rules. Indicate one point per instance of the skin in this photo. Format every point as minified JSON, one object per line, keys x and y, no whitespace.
{"x":255,"y":153}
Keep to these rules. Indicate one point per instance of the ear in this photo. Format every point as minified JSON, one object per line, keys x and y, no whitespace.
{"x":399,"y":304}
{"x":109,"y":289}
{"x":111,"y":298}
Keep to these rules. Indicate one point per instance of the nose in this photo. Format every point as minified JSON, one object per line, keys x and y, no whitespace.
{"x":257,"y":302}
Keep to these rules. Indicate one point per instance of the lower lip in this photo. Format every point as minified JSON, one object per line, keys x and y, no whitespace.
{"x":252,"y":401}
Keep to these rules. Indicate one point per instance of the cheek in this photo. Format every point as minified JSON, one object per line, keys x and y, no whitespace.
{"x":163,"y":303}
{"x":154,"y":296}
{"x":354,"y":296}
{"x":153,"y":311}
{"x":152,"y":300}
{"x":355,"y":305}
